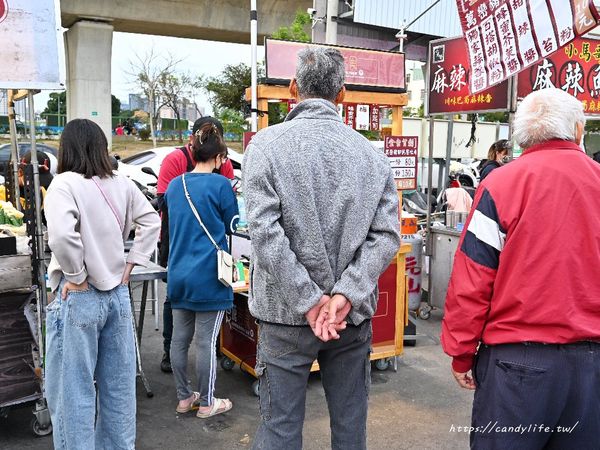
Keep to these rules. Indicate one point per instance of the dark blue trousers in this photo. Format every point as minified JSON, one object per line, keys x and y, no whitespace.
{"x":535,"y":396}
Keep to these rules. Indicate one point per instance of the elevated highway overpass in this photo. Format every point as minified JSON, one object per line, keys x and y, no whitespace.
{"x":90,"y":24}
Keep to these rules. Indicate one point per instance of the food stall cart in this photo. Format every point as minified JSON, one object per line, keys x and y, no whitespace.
{"x":239,"y":331}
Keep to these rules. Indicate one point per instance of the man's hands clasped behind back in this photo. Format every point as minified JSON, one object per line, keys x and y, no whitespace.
{"x":328,"y":316}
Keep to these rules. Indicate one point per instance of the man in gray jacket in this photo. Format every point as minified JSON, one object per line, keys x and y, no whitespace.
{"x":323,"y":218}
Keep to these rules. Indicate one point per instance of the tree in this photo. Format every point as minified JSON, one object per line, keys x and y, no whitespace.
{"x":146,"y":73}
{"x":227,"y":90}
{"x":59,"y":99}
{"x":56,"y":98}
{"x":297,"y":30}
{"x":173,"y":89}
{"x":495,"y":117}
{"x":115,"y":106}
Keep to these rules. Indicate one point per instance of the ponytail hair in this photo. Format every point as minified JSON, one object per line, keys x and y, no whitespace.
{"x":503,"y":145}
{"x":208,"y":143}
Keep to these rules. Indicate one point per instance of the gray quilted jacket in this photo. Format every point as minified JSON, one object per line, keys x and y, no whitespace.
{"x":322,"y":215}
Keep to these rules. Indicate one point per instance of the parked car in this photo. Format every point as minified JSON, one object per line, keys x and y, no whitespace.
{"x":5,"y":152}
{"x":153,"y":158}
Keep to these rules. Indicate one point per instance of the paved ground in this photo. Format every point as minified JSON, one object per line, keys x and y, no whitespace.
{"x":413,"y":408}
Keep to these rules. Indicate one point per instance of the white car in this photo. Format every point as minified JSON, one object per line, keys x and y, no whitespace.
{"x":153,"y":158}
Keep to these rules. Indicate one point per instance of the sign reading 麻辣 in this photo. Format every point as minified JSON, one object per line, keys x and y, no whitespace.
{"x":575,"y":69}
{"x":449,"y":75}
{"x":504,"y":37}
{"x":402,"y":152}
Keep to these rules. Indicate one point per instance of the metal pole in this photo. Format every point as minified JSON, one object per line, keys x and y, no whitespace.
{"x":253,"y":47}
{"x":401,"y":38}
{"x":331,"y":30}
{"x":14,"y":148}
{"x":58,"y":98}
{"x":429,"y":243}
{"x":448,"y":150}
{"x":39,"y":239}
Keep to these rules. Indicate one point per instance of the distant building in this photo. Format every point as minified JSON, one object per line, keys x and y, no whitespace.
{"x":188,"y":110}
{"x":137,"y":101}
{"x":415,"y":84}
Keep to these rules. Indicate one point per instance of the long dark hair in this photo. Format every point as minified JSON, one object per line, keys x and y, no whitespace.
{"x":208,"y":143}
{"x":84,"y":149}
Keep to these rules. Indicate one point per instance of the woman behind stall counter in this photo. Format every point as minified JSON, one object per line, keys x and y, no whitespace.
{"x":197,"y":297}
{"x":90,"y":210}
{"x":496,"y":157}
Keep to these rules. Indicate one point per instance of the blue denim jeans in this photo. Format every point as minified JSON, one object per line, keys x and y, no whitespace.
{"x":285,"y":356}
{"x":89,"y":336}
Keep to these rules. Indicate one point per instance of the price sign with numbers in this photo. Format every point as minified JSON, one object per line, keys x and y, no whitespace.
{"x":402,"y":152}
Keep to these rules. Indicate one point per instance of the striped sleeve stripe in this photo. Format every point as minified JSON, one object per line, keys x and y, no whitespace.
{"x":487,"y":230}
{"x":484,"y":238}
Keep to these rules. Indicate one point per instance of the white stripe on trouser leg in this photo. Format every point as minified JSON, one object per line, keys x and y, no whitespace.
{"x":213,"y":357}
{"x":487,"y":230}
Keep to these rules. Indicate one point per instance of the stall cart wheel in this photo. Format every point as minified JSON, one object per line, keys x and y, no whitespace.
{"x":227,"y":363}
{"x":255,"y":390}
{"x":39,"y":430}
{"x":425,"y":312}
{"x":382,"y":364}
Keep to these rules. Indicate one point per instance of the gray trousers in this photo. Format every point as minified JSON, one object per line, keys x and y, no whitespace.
{"x":205,"y":325}
{"x":285,"y":356}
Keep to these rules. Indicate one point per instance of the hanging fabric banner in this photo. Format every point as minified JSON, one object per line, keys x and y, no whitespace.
{"x":506,"y":36}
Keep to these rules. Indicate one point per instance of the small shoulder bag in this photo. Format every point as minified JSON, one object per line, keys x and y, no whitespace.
{"x":224,"y":259}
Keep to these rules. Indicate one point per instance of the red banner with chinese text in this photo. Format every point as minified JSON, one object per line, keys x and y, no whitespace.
{"x":449,"y":74}
{"x":506,"y":36}
{"x":575,"y":69}
{"x":364,"y":67}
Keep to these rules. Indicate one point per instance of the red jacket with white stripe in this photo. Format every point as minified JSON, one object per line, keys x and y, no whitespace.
{"x":527,"y":268}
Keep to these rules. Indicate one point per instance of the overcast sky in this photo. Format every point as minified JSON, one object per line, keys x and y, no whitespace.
{"x":198,"y":58}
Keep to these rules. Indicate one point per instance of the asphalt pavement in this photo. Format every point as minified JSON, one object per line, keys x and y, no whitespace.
{"x":413,"y":408}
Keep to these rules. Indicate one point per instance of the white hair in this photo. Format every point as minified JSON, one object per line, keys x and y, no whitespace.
{"x":545,"y":115}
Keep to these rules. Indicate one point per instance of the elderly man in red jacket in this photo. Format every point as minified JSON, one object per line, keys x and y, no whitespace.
{"x":522,"y":318}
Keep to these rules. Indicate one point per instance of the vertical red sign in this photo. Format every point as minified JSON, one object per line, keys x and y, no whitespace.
{"x":375,"y":117}
{"x":575,"y":69}
{"x":350,"y":115}
{"x":3,"y":9}
{"x":247,"y":138}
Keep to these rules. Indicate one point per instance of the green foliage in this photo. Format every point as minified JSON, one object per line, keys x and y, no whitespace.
{"x":60,"y":98}
{"x":226,"y":90}
{"x":494,"y":117}
{"x":297,"y":31}
{"x":115,"y":105}
{"x":53,"y":103}
{"x":371,"y":135}
{"x":144,"y":134}
{"x":414,"y":112}
{"x":233,"y":121}
{"x":277,"y":112}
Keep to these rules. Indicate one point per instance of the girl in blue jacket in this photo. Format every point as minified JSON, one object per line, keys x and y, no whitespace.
{"x":198,"y":298}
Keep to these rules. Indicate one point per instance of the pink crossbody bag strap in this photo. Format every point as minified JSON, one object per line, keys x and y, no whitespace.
{"x":114,"y":211}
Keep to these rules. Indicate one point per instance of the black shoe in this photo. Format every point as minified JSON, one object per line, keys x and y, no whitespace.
{"x":165,"y":364}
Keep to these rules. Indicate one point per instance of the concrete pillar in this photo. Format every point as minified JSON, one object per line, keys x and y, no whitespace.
{"x":88,"y":48}
{"x":331,"y":28}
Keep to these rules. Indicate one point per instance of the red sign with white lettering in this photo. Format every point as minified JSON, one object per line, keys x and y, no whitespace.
{"x":575,"y":69}
{"x":350,"y":114}
{"x":449,"y":75}
{"x":375,"y":119}
{"x":403,"y":152}
{"x":373,"y":68}
{"x":506,"y":36}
